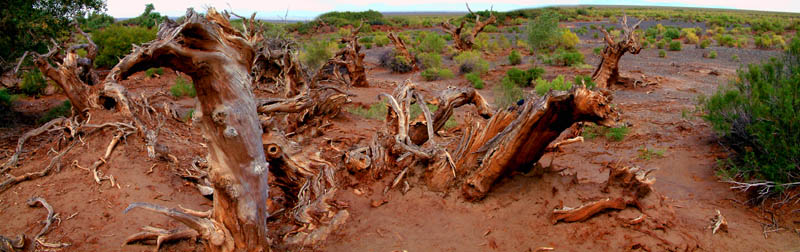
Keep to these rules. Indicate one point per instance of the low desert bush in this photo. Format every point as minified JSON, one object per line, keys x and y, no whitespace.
{"x":475,"y":80}
{"x":182,"y":87}
{"x":114,"y":42}
{"x":471,"y":61}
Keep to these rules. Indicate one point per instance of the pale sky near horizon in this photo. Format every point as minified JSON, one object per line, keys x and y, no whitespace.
{"x":308,"y":9}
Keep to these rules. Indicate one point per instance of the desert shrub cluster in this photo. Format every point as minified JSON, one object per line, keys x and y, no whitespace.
{"x":757,"y":117}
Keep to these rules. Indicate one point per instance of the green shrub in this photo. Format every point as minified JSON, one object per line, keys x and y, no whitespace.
{"x":568,"y":39}
{"x":662,"y":54}
{"x":735,"y":57}
{"x":616,"y":133}
{"x":712,"y":54}
{"x":675,"y":46}
{"x":584,"y":80}
{"x":517,"y":76}
{"x":660,"y":44}
{"x":757,"y":115}
{"x":317,"y":52}
{"x":471,"y":61}
{"x":672,"y":33}
{"x":381,"y":41}
{"x":432,"y":43}
{"x":559,"y":83}
{"x":475,"y":80}
{"x":598,"y":50}
{"x":692,"y":38}
{"x":182,"y":87}
{"x":726,"y":40}
{"x":507,"y":93}
{"x":114,"y":42}
{"x":543,"y":31}
{"x":62,"y":110}
{"x":33,"y":82}
{"x":339,"y":19}
{"x":432,"y":74}
{"x":514,"y":58}
{"x":5,"y":100}
{"x":705,"y":43}
{"x":564,"y":58}
{"x":150,"y":72}
{"x":490,"y":28}
{"x":430,"y":60}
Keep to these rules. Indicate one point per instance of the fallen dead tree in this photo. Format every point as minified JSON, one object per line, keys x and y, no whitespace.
{"x":401,"y":50}
{"x":607,"y":72}
{"x":464,"y":41}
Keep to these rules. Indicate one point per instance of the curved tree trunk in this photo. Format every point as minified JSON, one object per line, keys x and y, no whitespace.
{"x":607,"y":72}
{"x":464,"y":42}
{"x":219,"y":61}
{"x":75,"y":75}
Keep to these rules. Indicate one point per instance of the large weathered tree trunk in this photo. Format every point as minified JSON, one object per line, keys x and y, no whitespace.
{"x":607,"y":72}
{"x":464,"y":42}
{"x":524,"y":139}
{"x":219,"y":60}
{"x":75,"y":75}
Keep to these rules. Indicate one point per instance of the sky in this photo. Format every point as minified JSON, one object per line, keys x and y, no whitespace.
{"x":308,"y":9}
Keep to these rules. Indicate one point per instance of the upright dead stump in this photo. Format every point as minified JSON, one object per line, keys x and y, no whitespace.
{"x":219,"y":60}
{"x":73,"y":73}
{"x":607,"y":72}
{"x":464,"y":42}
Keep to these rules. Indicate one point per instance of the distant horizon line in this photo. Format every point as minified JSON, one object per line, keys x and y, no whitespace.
{"x":530,"y":8}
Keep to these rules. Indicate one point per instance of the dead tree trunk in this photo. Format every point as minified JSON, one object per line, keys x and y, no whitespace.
{"x":219,"y":59}
{"x":607,"y":72}
{"x":401,"y":49}
{"x":447,"y":101}
{"x":464,"y":42}
{"x":523,"y":141}
{"x":75,"y":75}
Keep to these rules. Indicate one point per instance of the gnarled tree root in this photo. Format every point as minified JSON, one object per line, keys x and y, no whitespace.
{"x":51,"y":217}
{"x":586,"y":211}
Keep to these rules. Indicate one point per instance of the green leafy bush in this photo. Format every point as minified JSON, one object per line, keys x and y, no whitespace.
{"x":114,"y":42}
{"x":147,"y":19}
{"x":672,"y":33}
{"x":519,"y":77}
{"x":430,"y":60}
{"x":339,"y":19}
{"x":381,"y":40}
{"x":598,"y":50}
{"x":514,"y":58}
{"x":490,"y":28}
{"x":543,"y":31}
{"x":150,"y":72}
{"x":675,"y":46}
{"x":475,"y":80}
{"x":660,"y":44}
{"x":432,"y":74}
{"x":564,"y":58}
{"x":182,"y":87}
{"x":705,"y":43}
{"x":568,"y":39}
{"x":471,"y":61}
{"x":33,"y":82}
{"x":317,"y":52}
{"x":62,"y":110}
{"x":559,"y":83}
{"x":757,"y":117}
{"x":726,"y":40}
{"x":432,"y":43}
{"x":692,"y":38}
{"x":584,"y":80}
{"x":5,"y":101}
{"x":662,"y":54}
